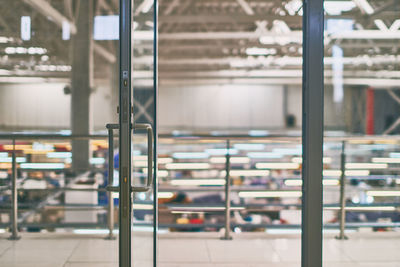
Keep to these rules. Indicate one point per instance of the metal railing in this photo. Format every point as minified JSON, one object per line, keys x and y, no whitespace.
{"x":227,"y":206}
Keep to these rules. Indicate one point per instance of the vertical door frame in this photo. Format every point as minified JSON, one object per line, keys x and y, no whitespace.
{"x":155,"y":131}
{"x":125,"y":130}
{"x":312,"y":132}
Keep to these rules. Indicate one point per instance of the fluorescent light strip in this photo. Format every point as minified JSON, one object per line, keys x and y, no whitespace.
{"x":186,"y":166}
{"x":97,"y":160}
{"x":190,"y":155}
{"x":42,"y":166}
{"x":9,"y":160}
{"x":380,"y":208}
{"x":142,"y":206}
{"x":3,"y":154}
{"x":204,"y":208}
{"x":278,"y":165}
{"x":249,"y":146}
{"x":366,"y":166}
{"x":59,"y":155}
{"x":325,"y":160}
{"x":165,"y":194}
{"x":394,"y":155}
{"x":337,"y":173}
{"x":288,"y":151}
{"x":198,"y":182}
{"x":234,"y":160}
{"x":269,"y":194}
{"x":388,"y":193}
{"x":264,"y":155}
{"x":299,"y":182}
{"x":246,"y":173}
{"x":221,"y":151}
{"x":386,"y":160}
{"x":164,"y":160}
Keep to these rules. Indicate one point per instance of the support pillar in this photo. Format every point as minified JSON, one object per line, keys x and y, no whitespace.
{"x":313,"y":132}
{"x":81,"y":84}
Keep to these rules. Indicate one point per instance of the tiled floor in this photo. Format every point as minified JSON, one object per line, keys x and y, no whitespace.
{"x":198,"y":249}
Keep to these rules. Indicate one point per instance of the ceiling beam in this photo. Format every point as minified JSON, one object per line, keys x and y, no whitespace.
{"x":47,"y":10}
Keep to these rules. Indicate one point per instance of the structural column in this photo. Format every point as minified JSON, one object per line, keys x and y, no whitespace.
{"x":313,"y":129}
{"x":81,"y":84}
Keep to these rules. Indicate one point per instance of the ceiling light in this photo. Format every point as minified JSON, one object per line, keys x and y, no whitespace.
{"x":197,"y":182}
{"x":388,"y":193}
{"x":278,"y":165}
{"x":190,"y":155}
{"x":233,"y":160}
{"x":187,"y":166}
{"x":249,"y":146}
{"x":59,"y":155}
{"x":269,"y":194}
{"x":264,"y":155}
{"x":246,"y":173}
{"x":366,"y":166}
{"x":257,"y":51}
{"x":325,"y":160}
{"x":386,"y":160}
{"x":42,"y":166}
{"x":165,"y":194}
{"x":221,"y":151}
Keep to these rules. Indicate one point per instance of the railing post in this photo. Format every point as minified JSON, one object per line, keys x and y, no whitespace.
{"x":14,"y":204}
{"x":110,"y":210}
{"x":227,"y":235}
{"x":342,"y":222}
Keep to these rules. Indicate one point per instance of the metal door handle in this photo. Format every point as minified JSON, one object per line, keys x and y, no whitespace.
{"x":149,"y":129}
{"x":150,"y":139}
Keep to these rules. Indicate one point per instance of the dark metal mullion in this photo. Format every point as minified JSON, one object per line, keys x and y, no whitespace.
{"x":125,"y":134}
{"x":155,"y":131}
{"x":312,"y":134}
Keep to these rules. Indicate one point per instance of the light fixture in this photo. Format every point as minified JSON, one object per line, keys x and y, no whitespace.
{"x":142,"y":206}
{"x":221,"y":151}
{"x":190,"y":155}
{"x":325,"y":160}
{"x":258,"y":51}
{"x":59,"y":155}
{"x":9,"y":159}
{"x":249,"y":146}
{"x":299,"y":182}
{"x":165,"y":194}
{"x":197,"y":182}
{"x":387,"y":193}
{"x":338,"y":173}
{"x":386,"y":160}
{"x":366,"y":166}
{"x":97,"y":161}
{"x":164,"y":160}
{"x":278,"y":165}
{"x":42,"y":166}
{"x":269,"y":194}
{"x":376,"y":208}
{"x":246,"y":173}
{"x":233,"y":160}
{"x":264,"y":155}
{"x":187,"y":166}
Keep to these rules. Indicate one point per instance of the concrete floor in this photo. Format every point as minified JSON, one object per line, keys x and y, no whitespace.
{"x":198,"y":249}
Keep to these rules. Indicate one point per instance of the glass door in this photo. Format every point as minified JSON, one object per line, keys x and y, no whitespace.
{"x":138,"y":134}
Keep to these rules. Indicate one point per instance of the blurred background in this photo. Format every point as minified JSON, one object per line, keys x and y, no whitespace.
{"x":229,"y":117}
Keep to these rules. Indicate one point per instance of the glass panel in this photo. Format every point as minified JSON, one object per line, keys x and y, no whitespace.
{"x":361,"y":108}
{"x":57,"y":92}
{"x":144,"y":97}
